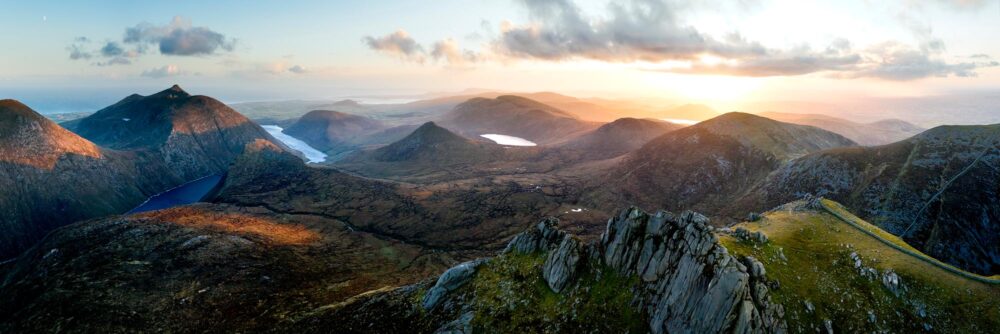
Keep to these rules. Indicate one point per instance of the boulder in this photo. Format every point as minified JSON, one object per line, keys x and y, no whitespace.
{"x":451,"y":280}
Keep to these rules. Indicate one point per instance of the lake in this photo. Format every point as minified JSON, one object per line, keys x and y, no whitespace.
{"x":508,"y":140}
{"x":312,"y":155}
{"x":191,"y":192}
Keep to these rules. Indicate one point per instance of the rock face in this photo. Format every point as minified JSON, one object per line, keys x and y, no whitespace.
{"x":938,"y":191}
{"x":688,"y":282}
{"x":449,"y":281}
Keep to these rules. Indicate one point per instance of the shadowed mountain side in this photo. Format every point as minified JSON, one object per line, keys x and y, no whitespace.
{"x":876,"y":133}
{"x":196,"y":135}
{"x":50,"y":177}
{"x":332,"y":131}
{"x":709,"y":165}
{"x":515,"y":116}
{"x":204,"y":268}
{"x":939,"y":191}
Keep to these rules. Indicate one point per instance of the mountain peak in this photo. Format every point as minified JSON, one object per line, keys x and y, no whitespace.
{"x":9,"y":109}
{"x":174,"y":91}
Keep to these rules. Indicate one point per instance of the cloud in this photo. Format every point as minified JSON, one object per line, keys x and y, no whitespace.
{"x":112,"y":49}
{"x":398,"y":44}
{"x":894,"y":61}
{"x":77,"y":52}
{"x":298,"y":69}
{"x":114,"y":61}
{"x":179,"y":38}
{"x":641,"y":30}
{"x":162,"y":72}
{"x":448,"y":50}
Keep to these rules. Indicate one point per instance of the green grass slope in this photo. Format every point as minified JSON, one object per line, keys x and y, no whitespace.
{"x":809,"y":255}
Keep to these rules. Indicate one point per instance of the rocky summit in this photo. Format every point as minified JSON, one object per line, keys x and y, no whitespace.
{"x":659,"y":273}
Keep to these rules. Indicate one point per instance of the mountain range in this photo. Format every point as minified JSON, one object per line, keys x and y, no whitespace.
{"x":739,"y":223}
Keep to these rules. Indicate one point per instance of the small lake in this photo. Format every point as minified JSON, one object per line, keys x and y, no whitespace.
{"x":312,"y":155}
{"x":508,"y":140}
{"x":191,"y":192}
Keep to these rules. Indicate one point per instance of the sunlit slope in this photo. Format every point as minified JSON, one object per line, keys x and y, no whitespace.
{"x":813,"y":254}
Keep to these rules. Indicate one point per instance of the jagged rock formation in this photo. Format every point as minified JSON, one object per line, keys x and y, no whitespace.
{"x":515,"y":116}
{"x":333,"y":131}
{"x":195,"y":135}
{"x":707,"y":166}
{"x":687,"y":281}
{"x":937,"y":190}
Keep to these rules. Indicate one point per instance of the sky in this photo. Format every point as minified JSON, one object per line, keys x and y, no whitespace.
{"x":81,"y":55}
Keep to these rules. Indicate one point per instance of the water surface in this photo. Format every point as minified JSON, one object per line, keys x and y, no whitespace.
{"x":312,"y":155}
{"x":187,"y":193}
{"x":508,"y":140}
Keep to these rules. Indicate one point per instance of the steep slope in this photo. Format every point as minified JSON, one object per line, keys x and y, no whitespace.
{"x":876,"y":133}
{"x":332,"y":131}
{"x":837,"y":271}
{"x":619,"y":137}
{"x":939,"y":191}
{"x":50,"y":177}
{"x":515,"y":116}
{"x":708,"y":165}
{"x":195,"y":135}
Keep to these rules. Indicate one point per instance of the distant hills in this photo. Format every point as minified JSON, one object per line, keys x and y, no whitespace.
{"x":515,"y":116}
{"x":876,"y":133}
